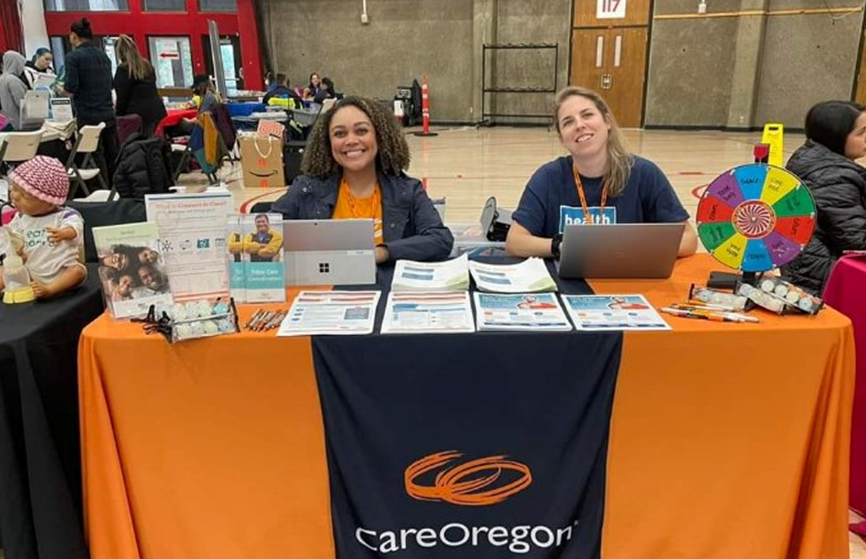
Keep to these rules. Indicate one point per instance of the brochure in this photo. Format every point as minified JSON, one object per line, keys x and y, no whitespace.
{"x":529,"y":276}
{"x":331,"y":312}
{"x":192,"y":235}
{"x":131,"y":269}
{"x":235,"y":257}
{"x":451,"y":275}
{"x":262,"y":260}
{"x":613,"y":312}
{"x":428,"y":312}
{"x":524,"y":311}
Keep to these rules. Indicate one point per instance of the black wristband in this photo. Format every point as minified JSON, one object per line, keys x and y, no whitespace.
{"x":555,"y":244}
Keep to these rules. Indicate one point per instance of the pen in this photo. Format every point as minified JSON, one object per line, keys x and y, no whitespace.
{"x":253,"y":319}
{"x":709,"y":315}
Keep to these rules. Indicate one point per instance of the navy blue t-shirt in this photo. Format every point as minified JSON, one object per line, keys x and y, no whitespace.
{"x":551,"y":194}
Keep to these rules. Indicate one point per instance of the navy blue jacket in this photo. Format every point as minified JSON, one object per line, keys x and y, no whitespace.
{"x":411,"y":226}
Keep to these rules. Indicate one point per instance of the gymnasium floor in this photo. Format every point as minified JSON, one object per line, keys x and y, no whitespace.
{"x":467,"y":165}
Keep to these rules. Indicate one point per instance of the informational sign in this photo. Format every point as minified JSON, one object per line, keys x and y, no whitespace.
{"x":610,"y":9}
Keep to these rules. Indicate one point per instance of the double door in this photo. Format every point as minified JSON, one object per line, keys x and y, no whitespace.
{"x":609,"y":54}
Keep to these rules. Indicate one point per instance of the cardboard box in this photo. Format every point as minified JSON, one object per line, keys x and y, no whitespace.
{"x":262,"y":161}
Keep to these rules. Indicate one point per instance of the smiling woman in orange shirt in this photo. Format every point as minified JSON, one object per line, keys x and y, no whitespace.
{"x":354,"y":168}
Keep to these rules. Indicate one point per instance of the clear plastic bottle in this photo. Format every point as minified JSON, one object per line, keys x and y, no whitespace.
{"x":16,"y":278}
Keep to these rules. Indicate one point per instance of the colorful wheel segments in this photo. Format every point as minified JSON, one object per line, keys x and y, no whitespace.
{"x":756,"y":217}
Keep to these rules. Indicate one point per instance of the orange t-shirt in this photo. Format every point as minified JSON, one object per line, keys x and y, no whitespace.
{"x":350,"y":207}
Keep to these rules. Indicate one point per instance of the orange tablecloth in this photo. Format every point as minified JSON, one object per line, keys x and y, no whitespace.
{"x":728,"y":440}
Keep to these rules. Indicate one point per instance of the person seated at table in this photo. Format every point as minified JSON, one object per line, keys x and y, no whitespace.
{"x":313,"y":88}
{"x":204,"y":98}
{"x":599,"y":181}
{"x":135,"y":85}
{"x":326,"y":91}
{"x":13,"y":87}
{"x":52,"y":234}
{"x":39,"y":65}
{"x":282,"y":95}
{"x":353,"y":167}
{"x":835,"y":139}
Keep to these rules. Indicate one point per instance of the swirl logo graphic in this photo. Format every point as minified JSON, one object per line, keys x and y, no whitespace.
{"x":476,"y":483}
{"x":754,"y":219}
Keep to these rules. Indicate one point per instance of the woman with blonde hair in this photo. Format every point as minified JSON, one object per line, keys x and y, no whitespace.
{"x":135,"y":85}
{"x":599,"y":181}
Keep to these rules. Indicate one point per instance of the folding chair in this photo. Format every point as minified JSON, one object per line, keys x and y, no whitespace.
{"x":87,"y":143}
{"x":18,"y":147}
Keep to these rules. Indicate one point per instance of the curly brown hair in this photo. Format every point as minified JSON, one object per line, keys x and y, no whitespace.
{"x":393,"y":156}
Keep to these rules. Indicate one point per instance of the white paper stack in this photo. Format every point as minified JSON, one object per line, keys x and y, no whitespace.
{"x":529,"y":276}
{"x":331,"y":312}
{"x":451,"y":275}
{"x":613,"y":312}
{"x":524,"y":311}
{"x":428,"y":312}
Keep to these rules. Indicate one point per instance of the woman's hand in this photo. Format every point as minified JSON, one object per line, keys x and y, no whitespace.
{"x":382,"y":254}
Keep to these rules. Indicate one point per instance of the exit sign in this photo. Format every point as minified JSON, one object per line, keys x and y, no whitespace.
{"x":610,"y":9}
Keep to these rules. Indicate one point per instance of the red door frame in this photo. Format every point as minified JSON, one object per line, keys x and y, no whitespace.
{"x":193,"y":24}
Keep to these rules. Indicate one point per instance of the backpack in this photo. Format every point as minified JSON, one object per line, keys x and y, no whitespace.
{"x":143,"y":167}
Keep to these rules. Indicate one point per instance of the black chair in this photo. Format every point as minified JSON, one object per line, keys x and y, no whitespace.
{"x":261,"y":207}
{"x":101,"y":214}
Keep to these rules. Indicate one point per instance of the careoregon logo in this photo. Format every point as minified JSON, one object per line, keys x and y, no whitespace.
{"x":476,"y":483}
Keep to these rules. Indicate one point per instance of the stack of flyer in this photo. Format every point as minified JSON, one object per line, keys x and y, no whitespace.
{"x":522,"y":311}
{"x":429,"y":298}
{"x":529,"y":276}
{"x":331,"y":312}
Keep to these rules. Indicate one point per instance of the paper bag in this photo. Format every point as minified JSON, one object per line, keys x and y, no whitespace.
{"x":262,"y":160}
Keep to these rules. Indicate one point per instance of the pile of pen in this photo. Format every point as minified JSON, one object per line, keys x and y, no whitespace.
{"x":706,"y":311}
{"x":263,"y":320}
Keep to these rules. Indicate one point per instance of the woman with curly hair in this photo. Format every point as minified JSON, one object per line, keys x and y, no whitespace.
{"x":354,"y":168}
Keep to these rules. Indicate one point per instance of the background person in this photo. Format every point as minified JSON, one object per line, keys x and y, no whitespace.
{"x":835,"y":138}
{"x":12,"y":87}
{"x":326,"y":91}
{"x":38,"y":65}
{"x":313,"y":87}
{"x":354,"y":168}
{"x":88,"y":80}
{"x":135,"y":86}
{"x":598,"y":174}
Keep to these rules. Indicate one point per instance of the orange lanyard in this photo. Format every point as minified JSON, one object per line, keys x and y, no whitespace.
{"x":579,"y":184}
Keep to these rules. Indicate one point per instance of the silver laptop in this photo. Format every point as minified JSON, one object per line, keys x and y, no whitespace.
{"x":329,"y":252}
{"x":625,"y":250}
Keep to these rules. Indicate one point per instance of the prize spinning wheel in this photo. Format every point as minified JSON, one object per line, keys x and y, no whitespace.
{"x":756,"y":217}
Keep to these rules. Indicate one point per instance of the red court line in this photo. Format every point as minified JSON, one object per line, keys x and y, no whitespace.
{"x":249,"y":202}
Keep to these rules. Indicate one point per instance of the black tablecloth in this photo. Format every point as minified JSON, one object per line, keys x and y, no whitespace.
{"x":40,"y":464}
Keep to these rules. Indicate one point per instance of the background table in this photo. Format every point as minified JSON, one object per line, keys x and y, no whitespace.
{"x":727,"y":440}
{"x":846,"y":292}
{"x":40,"y":472}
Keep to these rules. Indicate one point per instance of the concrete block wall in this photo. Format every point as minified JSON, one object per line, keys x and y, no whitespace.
{"x":714,"y":72}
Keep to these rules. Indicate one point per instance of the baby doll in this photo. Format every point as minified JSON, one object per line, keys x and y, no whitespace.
{"x":52,"y":233}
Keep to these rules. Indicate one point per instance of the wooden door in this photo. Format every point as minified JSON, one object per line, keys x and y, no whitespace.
{"x":860,"y":96}
{"x":627,"y":73}
{"x":609,"y":56}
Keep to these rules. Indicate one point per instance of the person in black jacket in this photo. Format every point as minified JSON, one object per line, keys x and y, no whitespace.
{"x":835,"y":138}
{"x":326,"y":91}
{"x":135,"y":86}
{"x":281,"y":90}
{"x":88,"y":80}
{"x":354,"y":169}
